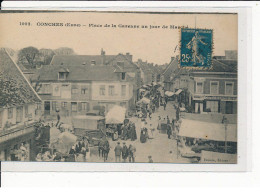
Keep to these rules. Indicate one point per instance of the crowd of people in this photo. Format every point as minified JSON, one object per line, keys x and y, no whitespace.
{"x":124,"y":152}
{"x":79,"y":152}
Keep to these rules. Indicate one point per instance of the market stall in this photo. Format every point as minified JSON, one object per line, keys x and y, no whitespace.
{"x":63,"y":142}
{"x":144,"y":101}
{"x":114,"y":120}
{"x":214,"y":137}
{"x":208,"y":131}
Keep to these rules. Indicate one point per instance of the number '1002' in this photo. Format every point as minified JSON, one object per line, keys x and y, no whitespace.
{"x":25,"y":23}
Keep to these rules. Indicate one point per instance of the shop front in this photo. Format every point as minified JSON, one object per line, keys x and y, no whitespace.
{"x":17,"y":145}
{"x":214,"y":104}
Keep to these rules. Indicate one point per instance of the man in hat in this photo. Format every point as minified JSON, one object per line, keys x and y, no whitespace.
{"x":118,"y":151}
{"x":132,"y":151}
{"x":124,"y":152}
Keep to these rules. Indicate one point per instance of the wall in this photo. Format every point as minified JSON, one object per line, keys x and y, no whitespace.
{"x":221,"y":85}
{"x":4,"y":115}
{"x":95,"y":87}
{"x":79,"y":96}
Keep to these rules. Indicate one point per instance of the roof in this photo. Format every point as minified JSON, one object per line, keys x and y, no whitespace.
{"x":222,"y":65}
{"x":148,"y":67}
{"x":208,"y":131}
{"x":80,"y":59}
{"x":14,"y":87}
{"x":78,"y":73}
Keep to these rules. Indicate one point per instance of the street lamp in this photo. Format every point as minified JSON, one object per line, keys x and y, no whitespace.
{"x":225,"y":122}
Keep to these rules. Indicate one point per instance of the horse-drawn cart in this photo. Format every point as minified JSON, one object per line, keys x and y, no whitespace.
{"x":90,"y":127}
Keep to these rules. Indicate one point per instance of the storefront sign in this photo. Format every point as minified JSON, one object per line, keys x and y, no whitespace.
{"x":222,"y":98}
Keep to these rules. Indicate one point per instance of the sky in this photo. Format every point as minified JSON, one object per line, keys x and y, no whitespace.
{"x":155,"y":45}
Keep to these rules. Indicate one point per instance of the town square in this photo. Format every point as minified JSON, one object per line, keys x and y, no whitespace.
{"x":124,"y":98}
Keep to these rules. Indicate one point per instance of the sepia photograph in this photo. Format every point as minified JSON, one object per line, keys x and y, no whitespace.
{"x":119,"y":87}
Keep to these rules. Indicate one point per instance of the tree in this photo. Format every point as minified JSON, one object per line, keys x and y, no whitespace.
{"x":46,"y":55}
{"x":37,"y":84}
{"x":29,"y":55}
{"x":64,"y":51}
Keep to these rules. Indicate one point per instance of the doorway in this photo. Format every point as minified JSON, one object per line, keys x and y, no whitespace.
{"x":229,"y":107}
{"x":47,"y":107}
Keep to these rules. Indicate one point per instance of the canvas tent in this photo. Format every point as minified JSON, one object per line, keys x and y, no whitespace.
{"x":144,"y":100}
{"x":207,"y":130}
{"x":178,"y":92}
{"x":169,"y":93}
{"x":116,"y":115}
{"x":63,"y":142}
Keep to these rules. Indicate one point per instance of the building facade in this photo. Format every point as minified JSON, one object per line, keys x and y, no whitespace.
{"x":213,"y":91}
{"x":78,"y":89}
{"x":168,"y":74}
{"x":19,"y":111}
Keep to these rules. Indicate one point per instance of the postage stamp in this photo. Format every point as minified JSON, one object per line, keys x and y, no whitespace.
{"x":196,"y":47}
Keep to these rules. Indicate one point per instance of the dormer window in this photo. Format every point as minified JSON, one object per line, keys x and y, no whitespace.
{"x":62,"y":75}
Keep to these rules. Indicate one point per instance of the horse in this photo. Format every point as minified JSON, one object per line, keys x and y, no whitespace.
{"x":101,"y":148}
{"x":105,"y":151}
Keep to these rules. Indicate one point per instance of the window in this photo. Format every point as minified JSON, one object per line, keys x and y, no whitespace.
{"x":10,"y":113}
{"x":62,"y":75}
{"x":102,"y":90}
{"x":74,"y":90}
{"x":84,"y":106}
{"x":64,"y":104}
{"x":123,"y":76}
{"x":212,"y":106}
{"x":38,"y":107}
{"x":199,"y":87}
{"x":213,"y":87}
{"x":229,"y":88}
{"x":26,"y":111}
{"x":54,"y":105}
{"x":74,"y":106}
{"x":84,"y":90}
{"x":123,"y":90}
{"x":111,"y":90}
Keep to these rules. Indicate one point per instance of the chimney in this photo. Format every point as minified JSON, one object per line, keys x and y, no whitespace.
{"x":129,"y":57}
{"x":103,"y":57}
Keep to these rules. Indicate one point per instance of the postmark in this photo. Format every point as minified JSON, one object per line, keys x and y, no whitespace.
{"x":196,"y":48}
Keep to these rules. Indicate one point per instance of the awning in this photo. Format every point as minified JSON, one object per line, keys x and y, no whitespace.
{"x":142,"y":90}
{"x":178,"y":92}
{"x":169,"y":93}
{"x":144,"y":100}
{"x":116,"y":115}
{"x":208,"y":131}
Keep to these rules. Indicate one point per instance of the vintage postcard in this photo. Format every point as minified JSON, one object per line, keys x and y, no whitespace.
{"x":119,"y":87}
